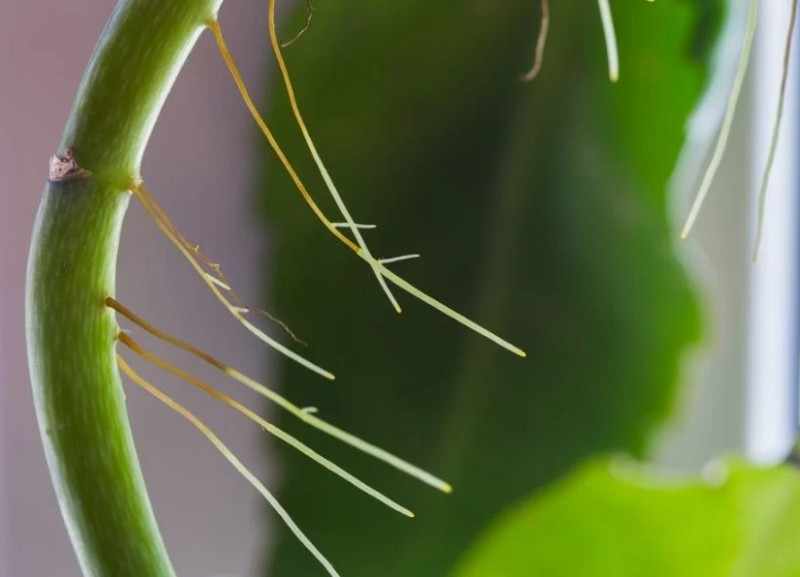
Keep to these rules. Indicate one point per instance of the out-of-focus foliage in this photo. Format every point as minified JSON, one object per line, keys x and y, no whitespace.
{"x":539,"y":210}
{"x":608,"y":519}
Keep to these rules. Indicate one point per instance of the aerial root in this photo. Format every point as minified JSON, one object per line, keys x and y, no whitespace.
{"x":776,"y":130}
{"x":230,"y":457}
{"x":399,"y":258}
{"x":447,"y":311}
{"x":359,"y":226}
{"x":214,"y":272}
{"x":233,"y":306}
{"x":326,"y":177}
{"x":727,"y":121}
{"x":541,"y":42}
{"x":296,"y":444}
{"x":608,"y":31}
{"x":306,"y":26}
{"x":382,"y":273}
{"x":281,"y":324}
{"x":305,"y":414}
{"x":233,"y":69}
{"x":611,"y":39}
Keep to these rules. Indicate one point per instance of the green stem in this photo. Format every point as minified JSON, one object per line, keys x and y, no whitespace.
{"x":71,"y":334}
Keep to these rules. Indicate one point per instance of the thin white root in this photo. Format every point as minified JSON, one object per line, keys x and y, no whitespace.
{"x":306,"y":26}
{"x":221,"y":284}
{"x":231,"y":458}
{"x":541,"y":43}
{"x":399,"y":258}
{"x":263,"y":423}
{"x":611,"y":39}
{"x":337,"y":198}
{"x":727,"y":121}
{"x":166,"y":227}
{"x":359,"y":226}
{"x":776,"y":130}
{"x":281,"y":324}
{"x":308,"y":416}
{"x":305,"y":414}
{"x":447,"y":311}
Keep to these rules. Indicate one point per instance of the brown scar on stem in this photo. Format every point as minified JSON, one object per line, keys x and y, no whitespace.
{"x":64,"y":167}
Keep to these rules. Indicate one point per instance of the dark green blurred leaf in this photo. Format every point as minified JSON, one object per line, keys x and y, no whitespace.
{"x":621,"y":521}
{"x":539,"y":210}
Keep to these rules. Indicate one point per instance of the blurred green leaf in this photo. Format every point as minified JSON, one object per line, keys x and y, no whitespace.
{"x":618,"y":520}
{"x":539,"y":210}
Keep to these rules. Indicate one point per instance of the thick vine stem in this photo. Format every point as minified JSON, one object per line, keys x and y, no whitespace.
{"x":71,"y":334}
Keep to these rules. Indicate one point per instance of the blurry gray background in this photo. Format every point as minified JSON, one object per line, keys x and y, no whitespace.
{"x":199,"y":164}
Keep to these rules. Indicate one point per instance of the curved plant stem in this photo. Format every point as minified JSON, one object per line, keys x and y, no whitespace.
{"x":71,"y":275}
{"x":71,"y":334}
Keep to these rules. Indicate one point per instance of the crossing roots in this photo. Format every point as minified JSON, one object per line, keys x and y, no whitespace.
{"x":359,"y":247}
{"x":211,"y":274}
{"x":305,"y":414}
{"x":230,"y":457}
{"x":308,"y":417}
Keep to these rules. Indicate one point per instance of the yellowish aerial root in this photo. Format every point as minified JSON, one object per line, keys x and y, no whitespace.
{"x":727,"y":121}
{"x":305,"y":414}
{"x":230,"y":457}
{"x":611,"y":39}
{"x":214,"y":284}
{"x":157,"y":361}
{"x":541,"y":43}
{"x":374,"y":264}
{"x":233,"y":69}
{"x":776,"y":130}
{"x":326,"y":177}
